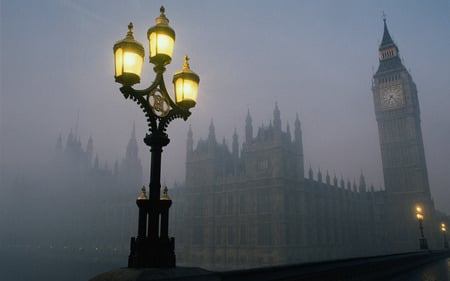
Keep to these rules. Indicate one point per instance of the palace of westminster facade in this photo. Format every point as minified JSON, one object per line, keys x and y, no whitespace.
{"x":253,"y":206}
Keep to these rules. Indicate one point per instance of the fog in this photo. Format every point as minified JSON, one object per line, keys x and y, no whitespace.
{"x":314,"y":58}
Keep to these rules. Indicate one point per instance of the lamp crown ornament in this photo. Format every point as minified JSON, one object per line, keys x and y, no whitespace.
{"x":165,"y":194}
{"x":162,"y":19}
{"x":143,"y":195}
{"x":130,"y":31}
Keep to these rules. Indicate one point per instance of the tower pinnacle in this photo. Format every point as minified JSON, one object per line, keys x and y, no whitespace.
{"x":248,"y":128}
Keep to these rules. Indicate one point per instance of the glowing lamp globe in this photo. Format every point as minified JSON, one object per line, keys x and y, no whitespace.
{"x":128,"y":58}
{"x":161,"y":38}
{"x":186,"y":86}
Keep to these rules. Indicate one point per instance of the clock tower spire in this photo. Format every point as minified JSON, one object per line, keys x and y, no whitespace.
{"x":402,"y":150}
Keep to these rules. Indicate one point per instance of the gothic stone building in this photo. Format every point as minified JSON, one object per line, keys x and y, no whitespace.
{"x":254,"y":207}
{"x":402,"y":151}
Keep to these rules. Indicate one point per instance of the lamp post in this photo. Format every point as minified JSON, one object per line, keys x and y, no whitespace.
{"x":422,"y":241}
{"x":152,"y":247}
{"x":444,"y":232}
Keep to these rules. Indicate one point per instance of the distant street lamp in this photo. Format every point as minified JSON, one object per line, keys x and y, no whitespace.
{"x":422,"y":241}
{"x":444,"y":232}
{"x":153,"y":247}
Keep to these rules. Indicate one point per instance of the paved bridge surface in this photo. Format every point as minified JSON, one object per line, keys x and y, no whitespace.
{"x":423,"y":266}
{"x":435,"y":271}
{"x":417,"y":266}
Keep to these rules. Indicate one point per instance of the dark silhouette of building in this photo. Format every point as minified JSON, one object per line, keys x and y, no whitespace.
{"x":402,"y":151}
{"x":255,"y":207}
{"x":75,"y":203}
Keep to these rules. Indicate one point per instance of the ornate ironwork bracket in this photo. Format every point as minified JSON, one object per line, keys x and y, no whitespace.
{"x":158,"y":106}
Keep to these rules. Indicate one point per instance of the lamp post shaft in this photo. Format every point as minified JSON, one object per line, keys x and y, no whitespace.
{"x":155,"y":186}
{"x":422,"y":240}
{"x":445,"y":240}
{"x":421,"y":228}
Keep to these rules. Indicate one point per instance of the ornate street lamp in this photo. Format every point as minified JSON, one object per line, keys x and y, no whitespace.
{"x":152,"y":247}
{"x":422,"y":241}
{"x":444,"y":232}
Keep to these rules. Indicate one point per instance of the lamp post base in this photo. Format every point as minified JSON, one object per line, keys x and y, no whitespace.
{"x":152,"y":255}
{"x":423,"y":243}
{"x":157,"y":250}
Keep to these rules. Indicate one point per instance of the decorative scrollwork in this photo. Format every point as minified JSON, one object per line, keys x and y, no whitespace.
{"x":158,"y":103}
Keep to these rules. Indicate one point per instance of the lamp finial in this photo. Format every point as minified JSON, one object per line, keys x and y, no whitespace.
{"x":143,"y":195}
{"x":162,"y":19}
{"x":186,"y":62}
{"x":165,"y":194}
{"x":130,"y":31}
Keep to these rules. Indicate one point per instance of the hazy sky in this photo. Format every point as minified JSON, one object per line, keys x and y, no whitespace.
{"x":315,"y":58}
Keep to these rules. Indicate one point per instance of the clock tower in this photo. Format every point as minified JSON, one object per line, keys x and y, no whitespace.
{"x":402,"y":151}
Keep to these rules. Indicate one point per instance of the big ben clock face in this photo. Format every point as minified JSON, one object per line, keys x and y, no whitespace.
{"x":392,"y":97}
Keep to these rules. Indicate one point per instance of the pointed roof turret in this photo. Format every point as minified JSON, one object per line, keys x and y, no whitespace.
{"x":212,"y":134}
{"x":297,"y":128}
{"x":319,"y":176}
{"x":132,"y":147}
{"x":248,"y":128}
{"x":189,"y":141}
{"x":235,"y":145}
{"x":276,"y":118}
{"x":388,"y":52}
{"x":310,"y":172}
{"x":387,"y":39}
{"x":288,"y":131}
{"x":362,"y":182}
{"x":298,"y":134}
{"x":342,"y":182}
{"x":248,"y":118}
{"x":335,"y":180}
{"x":211,"y":138}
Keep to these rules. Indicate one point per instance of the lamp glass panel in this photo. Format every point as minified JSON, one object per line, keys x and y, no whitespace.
{"x":119,"y":61}
{"x":186,"y":90}
{"x":161,"y":44}
{"x":132,"y":63}
{"x":152,"y":43}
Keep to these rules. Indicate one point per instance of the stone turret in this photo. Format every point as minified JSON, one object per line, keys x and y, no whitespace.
{"x":235,"y":146}
{"x":362,"y":183}
{"x":248,"y":128}
{"x":211,"y":137}
{"x":277,"y":119}
{"x":189,"y":143}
